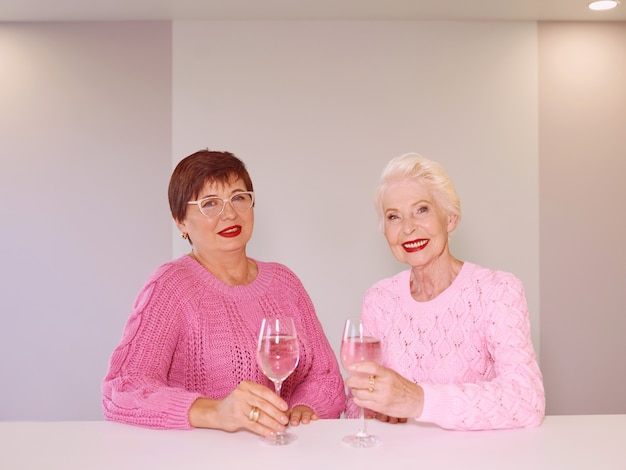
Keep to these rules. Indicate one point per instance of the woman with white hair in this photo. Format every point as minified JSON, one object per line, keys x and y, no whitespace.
{"x":455,"y":336}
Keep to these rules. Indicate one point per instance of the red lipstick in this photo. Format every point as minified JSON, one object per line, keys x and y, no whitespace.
{"x":230,"y":232}
{"x":415,"y":245}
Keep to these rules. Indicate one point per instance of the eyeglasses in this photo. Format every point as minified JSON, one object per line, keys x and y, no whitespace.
{"x":213,"y":206}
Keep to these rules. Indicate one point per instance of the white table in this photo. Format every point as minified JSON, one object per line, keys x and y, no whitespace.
{"x":561,"y":442}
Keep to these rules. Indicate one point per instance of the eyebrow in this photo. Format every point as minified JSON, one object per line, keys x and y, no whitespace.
{"x":232,"y":193}
{"x":417,"y":203}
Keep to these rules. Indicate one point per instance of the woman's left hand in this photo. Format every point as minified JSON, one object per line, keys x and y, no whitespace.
{"x":389,"y":419}
{"x":384,"y":391}
{"x":301,"y":414}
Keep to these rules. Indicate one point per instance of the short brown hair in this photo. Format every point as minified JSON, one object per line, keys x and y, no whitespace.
{"x":193,"y":172}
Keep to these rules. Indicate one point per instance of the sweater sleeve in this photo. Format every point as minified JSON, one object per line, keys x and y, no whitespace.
{"x":515,"y":396}
{"x":321,"y":388}
{"x":135,"y":389}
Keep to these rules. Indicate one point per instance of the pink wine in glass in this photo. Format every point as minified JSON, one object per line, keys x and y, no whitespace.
{"x":278,"y":356}
{"x":360,"y":349}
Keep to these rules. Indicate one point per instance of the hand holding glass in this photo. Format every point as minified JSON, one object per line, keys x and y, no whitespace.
{"x":278,"y":353}
{"x":357,"y":347}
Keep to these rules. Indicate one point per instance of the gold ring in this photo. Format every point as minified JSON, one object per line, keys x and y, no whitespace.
{"x":371,"y":387}
{"x":254,"y":414}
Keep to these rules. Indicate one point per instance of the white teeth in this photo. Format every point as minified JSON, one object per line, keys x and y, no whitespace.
{"x":415,"y":244}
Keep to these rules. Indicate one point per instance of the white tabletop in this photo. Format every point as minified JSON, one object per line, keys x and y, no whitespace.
{"x":561,"y":442}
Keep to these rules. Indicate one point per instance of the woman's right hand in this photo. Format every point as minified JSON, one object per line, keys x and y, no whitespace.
{"x":235,"y":411}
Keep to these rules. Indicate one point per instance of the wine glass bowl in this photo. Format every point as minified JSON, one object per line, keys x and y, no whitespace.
{"x":356,"y":346}
{"x":360,"y":349}
{"x":278,"y":353}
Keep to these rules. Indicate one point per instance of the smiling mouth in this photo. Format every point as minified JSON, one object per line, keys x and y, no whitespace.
{"x":415,"y":245}
{"x":230,"y":231}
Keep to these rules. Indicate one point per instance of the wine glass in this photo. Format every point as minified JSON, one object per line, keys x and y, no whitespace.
{"x":358,"y":347}
{"x":278,"y":354}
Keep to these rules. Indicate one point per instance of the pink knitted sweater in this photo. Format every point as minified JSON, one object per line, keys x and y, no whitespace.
{"x":469,"y":348}
{"x":190,"y":335}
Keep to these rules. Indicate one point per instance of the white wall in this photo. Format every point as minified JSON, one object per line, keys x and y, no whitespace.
{"x":583,"y":258}
{"x":94,"y":116}
{"x":316,"y":109}
{"x":85,"y":145}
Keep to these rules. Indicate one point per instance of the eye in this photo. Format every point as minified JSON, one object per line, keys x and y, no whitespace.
{"x":392,"y":216}
{"x":211,"y":202}
{"x":240,"y":198}
{"x":421,"y":210}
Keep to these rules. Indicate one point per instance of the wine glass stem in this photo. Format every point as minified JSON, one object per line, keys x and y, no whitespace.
{"x":278,"y":385}
{"x":362,"y":426}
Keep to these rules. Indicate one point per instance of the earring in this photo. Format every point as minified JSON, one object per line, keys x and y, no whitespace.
{"x":184,"y":235}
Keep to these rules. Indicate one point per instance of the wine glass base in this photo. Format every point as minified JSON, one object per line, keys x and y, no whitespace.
{"x":280,"y":439}
{"x":355,"y":440}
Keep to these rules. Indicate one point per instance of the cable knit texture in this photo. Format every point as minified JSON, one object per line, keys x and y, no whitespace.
{"x":190,"y":335}
{"x":469,"y":348}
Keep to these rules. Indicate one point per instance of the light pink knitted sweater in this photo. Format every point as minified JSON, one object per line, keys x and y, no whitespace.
{"x":190,"y":335}
{"x":469,"y":348}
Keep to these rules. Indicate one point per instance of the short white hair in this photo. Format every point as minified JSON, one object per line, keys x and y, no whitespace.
{"x":414,"y":167}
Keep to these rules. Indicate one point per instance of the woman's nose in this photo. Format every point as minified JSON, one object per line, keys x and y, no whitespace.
{"x":229,"y":209}
{"x":408,"y":226}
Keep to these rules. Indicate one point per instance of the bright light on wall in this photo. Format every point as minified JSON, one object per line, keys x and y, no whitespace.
{"x":603,"y":5}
